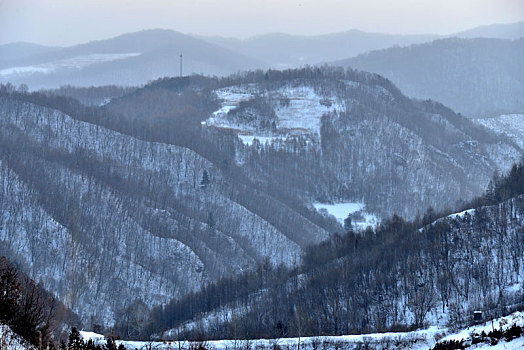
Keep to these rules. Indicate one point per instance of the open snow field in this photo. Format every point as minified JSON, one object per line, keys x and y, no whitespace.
{"x":340,"y":210}
{"x":300,"y":116}
{"x":305,"y":109}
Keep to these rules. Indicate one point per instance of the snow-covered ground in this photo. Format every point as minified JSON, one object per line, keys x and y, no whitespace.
{"x":511,"y":125}
{"x":502,"y":323}
{"x":462,"y":213}
{"x":420,"y":339}
{"x":300,"y":116}
{"x":341,"y":211}
{"x":231,"y":98}
{"x":12,"y":341}
{"x":249,"y":139}
{"x":305,"y":109}
{"x":78,"y":62}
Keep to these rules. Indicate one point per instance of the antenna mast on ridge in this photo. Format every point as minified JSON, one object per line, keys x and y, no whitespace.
{"x":181,"y":65}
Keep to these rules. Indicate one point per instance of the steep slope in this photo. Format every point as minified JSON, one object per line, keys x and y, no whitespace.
{"x":104,"y":219}
{"x":477,"y":77}
{"x":138,"y":196}
{"x":510,"y":125}
{"x":129,"y":59}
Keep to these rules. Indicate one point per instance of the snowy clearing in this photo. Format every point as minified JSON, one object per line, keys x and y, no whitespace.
{"x":305,"y":109}
{"x":300,"y":115}
{"x":341,"y":211}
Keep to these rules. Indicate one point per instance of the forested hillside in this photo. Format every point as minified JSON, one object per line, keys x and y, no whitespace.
{"x":402,"y":275}
{"x":330,"y":135}
{"x":105,"y":219}
{"x":169,"y":187}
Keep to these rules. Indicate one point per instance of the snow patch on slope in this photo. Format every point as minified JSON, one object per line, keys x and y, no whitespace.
{"x":78,"y":62}
{"x":341,"y":211}
{"x":231,"y":98}
{"x":511,"y":125}
{"x":305,"y":109}
{"x":299,"y":114}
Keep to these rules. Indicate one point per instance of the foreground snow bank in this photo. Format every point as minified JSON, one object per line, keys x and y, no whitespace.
{"x":420,"y":339}
{"x":12,"y":341}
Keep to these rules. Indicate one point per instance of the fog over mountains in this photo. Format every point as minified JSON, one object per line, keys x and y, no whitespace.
{"x":477,"y":77}
{"x":282,"y":51}
{"x":137,"y":58}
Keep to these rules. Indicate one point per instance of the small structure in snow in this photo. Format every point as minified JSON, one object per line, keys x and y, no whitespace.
{"x":477,"y":316}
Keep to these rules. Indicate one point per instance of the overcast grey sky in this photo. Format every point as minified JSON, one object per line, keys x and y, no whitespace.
{"x":67,"y":22}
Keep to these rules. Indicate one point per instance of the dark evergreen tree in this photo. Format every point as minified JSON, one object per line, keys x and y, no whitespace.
{"x":205,"y":179}
{"x":347,"y":223}
{"x":75,"y":340}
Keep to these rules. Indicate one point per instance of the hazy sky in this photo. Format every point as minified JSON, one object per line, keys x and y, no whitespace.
{"x":66,"y":22}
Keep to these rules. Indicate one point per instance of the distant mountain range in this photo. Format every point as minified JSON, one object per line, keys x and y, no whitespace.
{"x":285,"y":51}
{"x":129,"y":59}
{"x":494,"y":31}
{"x":136,"y":58}
{"x":477,"y":77}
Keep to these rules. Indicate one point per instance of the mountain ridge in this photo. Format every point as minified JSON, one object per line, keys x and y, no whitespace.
{"x":476,"y":77}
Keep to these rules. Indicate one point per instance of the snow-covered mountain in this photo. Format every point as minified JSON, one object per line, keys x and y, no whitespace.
{"x":159,"y":192}
{"x":282,"y":51}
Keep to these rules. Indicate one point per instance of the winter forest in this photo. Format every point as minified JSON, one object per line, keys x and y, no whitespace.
{"x":354,"y":190}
